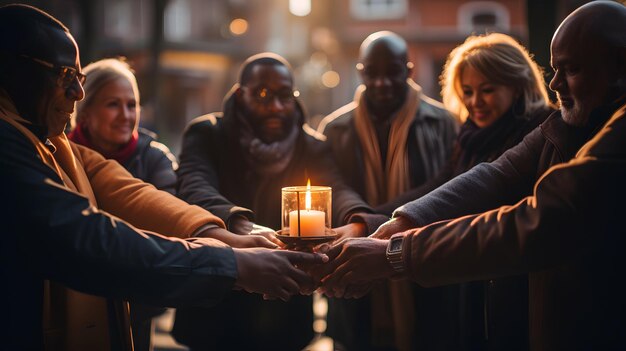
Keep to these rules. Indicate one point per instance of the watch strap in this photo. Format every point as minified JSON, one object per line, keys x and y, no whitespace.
{"x":394,"y":254}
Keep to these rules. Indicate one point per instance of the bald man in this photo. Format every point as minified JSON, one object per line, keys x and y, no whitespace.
{"x":389,"y":119}
{"x":569,"y":233}
{"x":390,"y":139}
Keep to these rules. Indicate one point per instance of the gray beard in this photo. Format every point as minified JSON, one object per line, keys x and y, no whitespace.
{"x":575,"y":116}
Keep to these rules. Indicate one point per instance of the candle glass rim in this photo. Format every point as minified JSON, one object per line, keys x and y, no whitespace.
{"x":303,"y":188}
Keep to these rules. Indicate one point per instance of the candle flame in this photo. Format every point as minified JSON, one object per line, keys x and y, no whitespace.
{"x":307,"y":198}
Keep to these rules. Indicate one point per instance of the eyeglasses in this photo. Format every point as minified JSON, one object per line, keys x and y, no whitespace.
{"x":265,"y":96}
{"x":65,"y":74}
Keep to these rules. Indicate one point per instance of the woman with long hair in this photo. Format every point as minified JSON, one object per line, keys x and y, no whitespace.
{"x":498,"y":93}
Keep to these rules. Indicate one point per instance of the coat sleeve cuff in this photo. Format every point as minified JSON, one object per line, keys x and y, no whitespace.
{"x":407,"y":212}
{"x":372,"y":221}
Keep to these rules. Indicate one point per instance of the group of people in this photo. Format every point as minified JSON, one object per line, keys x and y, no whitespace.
{"x":488,"y":222}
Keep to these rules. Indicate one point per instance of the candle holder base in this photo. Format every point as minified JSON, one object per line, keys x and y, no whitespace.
{"x":304,"y":242}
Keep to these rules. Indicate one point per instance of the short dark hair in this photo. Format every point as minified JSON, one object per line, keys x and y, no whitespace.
{"x":265,"y":58}
{"x":24,"y":29}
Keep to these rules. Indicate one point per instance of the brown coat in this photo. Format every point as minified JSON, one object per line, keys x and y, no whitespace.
{"x":569,"y":235}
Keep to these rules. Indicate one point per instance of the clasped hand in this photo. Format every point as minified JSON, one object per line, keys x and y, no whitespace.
{"x":354,"y":266}
{"x":347,"y":268}
{"x":356,"y":263}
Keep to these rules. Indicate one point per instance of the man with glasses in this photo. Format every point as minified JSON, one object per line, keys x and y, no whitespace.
{"x":390,"y":139}
{"x":75,"y":225}
{"x":66,"y":74}
{"x":234,"y":164}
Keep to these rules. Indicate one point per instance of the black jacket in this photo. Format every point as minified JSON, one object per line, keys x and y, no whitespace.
{"x":153,"y":162}
{"x":213,"y":174}
{"x":429,"y":144}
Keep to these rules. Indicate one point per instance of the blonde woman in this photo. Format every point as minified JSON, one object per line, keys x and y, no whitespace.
{"x":107,"y":120}
{"x":498,"y":93}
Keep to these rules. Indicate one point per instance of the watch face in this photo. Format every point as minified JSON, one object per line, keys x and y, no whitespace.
{"x":396,"y":244}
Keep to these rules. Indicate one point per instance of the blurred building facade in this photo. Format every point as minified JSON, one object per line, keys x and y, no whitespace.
{"x":187,"y":52}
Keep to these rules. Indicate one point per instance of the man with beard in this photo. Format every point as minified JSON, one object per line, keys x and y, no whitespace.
{"x":234,"y":164}
{"x":567,"y":231}
{"x":390,"y":139}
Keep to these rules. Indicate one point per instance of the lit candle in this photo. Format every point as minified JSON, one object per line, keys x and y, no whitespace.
{"x":312,"y":222}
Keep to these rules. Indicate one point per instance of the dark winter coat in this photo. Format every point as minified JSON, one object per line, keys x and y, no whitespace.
{"x":429,"y":144}
{"x":153,"y":162}
{"x":214,"y":175}
{"x":573,"y":301}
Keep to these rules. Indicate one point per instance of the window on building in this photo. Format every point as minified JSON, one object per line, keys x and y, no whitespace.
{"x":177,"y":24}
{"x":483,"y":16}
{"x":378,"y":9}
{"x":118,"y":18}
{"x":484,"y":19}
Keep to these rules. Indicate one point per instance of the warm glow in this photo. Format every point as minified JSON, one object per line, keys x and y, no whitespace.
{"x":307,"y":199}
{"x":300,"y":7}
{"x":238,"y":26}
{"x":330,"y":79}
{"x":319,"y":326}
{"x":319,"y":58}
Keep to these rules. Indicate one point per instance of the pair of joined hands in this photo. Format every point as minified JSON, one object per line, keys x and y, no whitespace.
{"x":263,"y":265}
{"x":357,"y":262}
{"x":347,"y":268}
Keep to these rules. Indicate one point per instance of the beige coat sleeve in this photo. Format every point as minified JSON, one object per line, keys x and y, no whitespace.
{"x":140,"y":204}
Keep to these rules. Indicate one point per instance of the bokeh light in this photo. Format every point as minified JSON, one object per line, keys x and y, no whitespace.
{"x":300,"y":7}
{"x":330,"y":79}
{"x":238,"y":26}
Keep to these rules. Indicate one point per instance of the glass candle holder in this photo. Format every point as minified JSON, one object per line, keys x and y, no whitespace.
{"x":306,"y":210}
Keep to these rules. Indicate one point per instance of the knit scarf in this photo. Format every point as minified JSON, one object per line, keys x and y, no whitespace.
{"x":393,"y":316}
{"x":265,"y":159}
{"x":71,"y":320}
{"x":81,"y":136}
{"x":478,"y":142}
{"x":383,"y":183}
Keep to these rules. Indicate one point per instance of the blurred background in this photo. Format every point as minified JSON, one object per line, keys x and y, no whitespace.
{"x":187,"y":52}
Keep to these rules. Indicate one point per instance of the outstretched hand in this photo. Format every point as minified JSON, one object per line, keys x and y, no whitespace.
{"x":243,"y":226}
{"x":275,"y":273}
{"x":355,"y":264}
{"x":238,"y":241}
{"x":393,"y":226}
{"x":267,"y":233}
{"x":239,"y":225}
{"x":351,"y":230}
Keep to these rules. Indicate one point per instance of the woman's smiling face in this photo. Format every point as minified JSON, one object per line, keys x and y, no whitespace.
{"x":485,"y":101}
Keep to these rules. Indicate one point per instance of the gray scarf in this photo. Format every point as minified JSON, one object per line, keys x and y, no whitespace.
{"x":265,"y":159}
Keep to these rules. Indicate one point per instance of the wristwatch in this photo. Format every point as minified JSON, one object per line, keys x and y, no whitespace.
{"x":394,"y":253}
